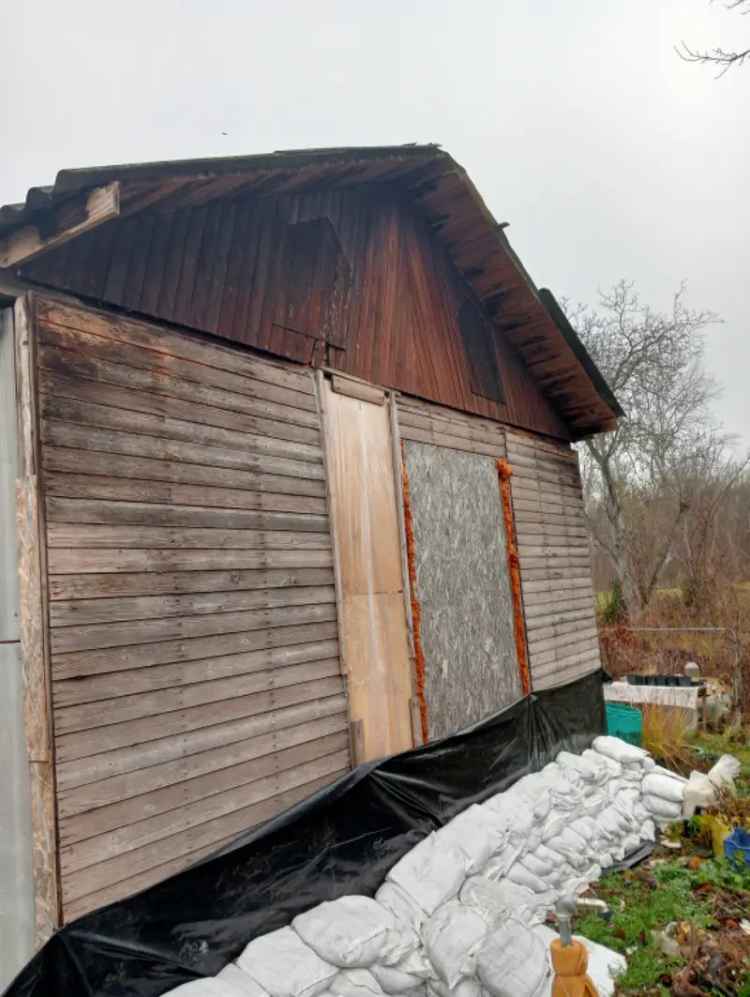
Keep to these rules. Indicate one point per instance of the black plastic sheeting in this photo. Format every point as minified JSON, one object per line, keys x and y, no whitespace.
{"x":344,"y":839}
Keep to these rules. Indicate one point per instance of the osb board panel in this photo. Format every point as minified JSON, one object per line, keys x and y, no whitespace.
{"x":462,"y":586}
{"x":555,"y":561}
{"x":374,"y":636}
{"x":377,"y":287}
{"x":181,"y":560}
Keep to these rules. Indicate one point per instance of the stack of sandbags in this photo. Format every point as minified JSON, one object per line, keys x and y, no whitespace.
{"x":444,"y":921}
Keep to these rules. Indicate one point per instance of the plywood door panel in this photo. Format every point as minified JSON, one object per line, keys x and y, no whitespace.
{"x":374,"y":635}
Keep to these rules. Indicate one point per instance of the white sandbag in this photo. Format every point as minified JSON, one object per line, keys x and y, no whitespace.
{"x":354,"y":932}
{"x":477,"y":832}
{"x":586,"y":769}
{"x":538,"y":866}
{"x":660,"y":770}
{"x":613,"y":769}
{"x":431,"y":873}
{"x":631,"y":842}
{"x":245,"y":984}
{"x":513,"y":962}
{"x":593,"y":804}
{"x":520,"y":875}
{"x":612,"y":823}
{"x":498,"y":865}
{"x":570,"y":845}
{"x":209,"y":987}
{"x":648,"y":831}
{"x":648,"y":764}
{"x":724,"y":772}
{"x":468,"y":987}
{"x":355,"y":983}
{"x":452,"y":938}
{"x":665,"y":787}
{"x":403,"y":907}
{"x":625,"y":803}
{"x":618,"y":750}
{"x":588,"y":829}
{"x":662,"y":810}
{"x":399,"y":979}
{"x":703,"y":790}
{"x":555,"y":824}
{"x":284,"y":966}
{"x":496,"y":901}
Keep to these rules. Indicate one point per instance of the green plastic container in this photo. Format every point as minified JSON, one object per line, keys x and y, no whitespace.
{"x":625,"y":722}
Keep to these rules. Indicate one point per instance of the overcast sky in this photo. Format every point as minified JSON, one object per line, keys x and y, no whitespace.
{"x":578,"y":123}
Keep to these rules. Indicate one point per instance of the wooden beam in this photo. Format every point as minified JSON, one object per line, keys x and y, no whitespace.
{"x":70,"y":219}
{"x":32,"y":572}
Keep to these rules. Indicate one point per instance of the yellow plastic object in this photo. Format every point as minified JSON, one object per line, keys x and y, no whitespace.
{"x":720,"y":831}
{"x":570,"y":963}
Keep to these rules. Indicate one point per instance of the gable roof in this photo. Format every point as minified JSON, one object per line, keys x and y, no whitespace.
{"x":438,"y":188}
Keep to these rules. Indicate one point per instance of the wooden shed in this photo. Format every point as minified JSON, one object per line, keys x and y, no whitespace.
{"x":295,"y":489}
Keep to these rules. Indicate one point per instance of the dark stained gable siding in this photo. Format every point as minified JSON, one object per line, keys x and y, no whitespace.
{"x":352,"y":279}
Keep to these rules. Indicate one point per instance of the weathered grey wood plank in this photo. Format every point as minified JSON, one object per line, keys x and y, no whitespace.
{"x":209,"y":583}
{"x":64,"y":561}
{"x":159,"y":340}
{"x":166,"y":427}
{"x":165,"y":407}
{"x":161,"y":702}
{"x":95,"y":860}
{"x":94,"y":537}
{"x":147,"y":755}
{"x":170,"y":454}
{"x":151,"y":494}
{"x":87,"y":365}
{"x":123,"y":788}
{"x":79,"y":744}
{"x":122,"y":683}
{"x":240,"y":821}
{"x":80,"y":611}
{"x":179,"y":792}
{"x":164,"y":652}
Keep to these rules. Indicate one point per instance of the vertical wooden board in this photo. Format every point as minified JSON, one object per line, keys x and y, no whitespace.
{"x":375,"y":648}
{"x":462,"y":586}
{"x":16,"y":880}
{"x":362,"y":466}
{"x":374,"y":638}
{"x":34,"y":632}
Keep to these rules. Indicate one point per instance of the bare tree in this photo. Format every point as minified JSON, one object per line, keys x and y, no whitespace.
{"x":640,"y":478}
{"x":717,"y":56}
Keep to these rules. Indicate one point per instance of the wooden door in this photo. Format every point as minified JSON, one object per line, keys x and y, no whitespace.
{"x":375,"y":647}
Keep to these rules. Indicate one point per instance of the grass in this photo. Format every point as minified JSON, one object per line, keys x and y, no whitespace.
{"x":643,"y":901}
{"x":665,"y":735}
{"x":704,"y":896}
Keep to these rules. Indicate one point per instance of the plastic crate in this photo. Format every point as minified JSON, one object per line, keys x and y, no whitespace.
{"x":625,"y":722}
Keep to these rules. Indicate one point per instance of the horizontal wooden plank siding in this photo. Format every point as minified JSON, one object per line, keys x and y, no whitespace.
{"x":196,"y":680}
{"x":555,"y":560}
